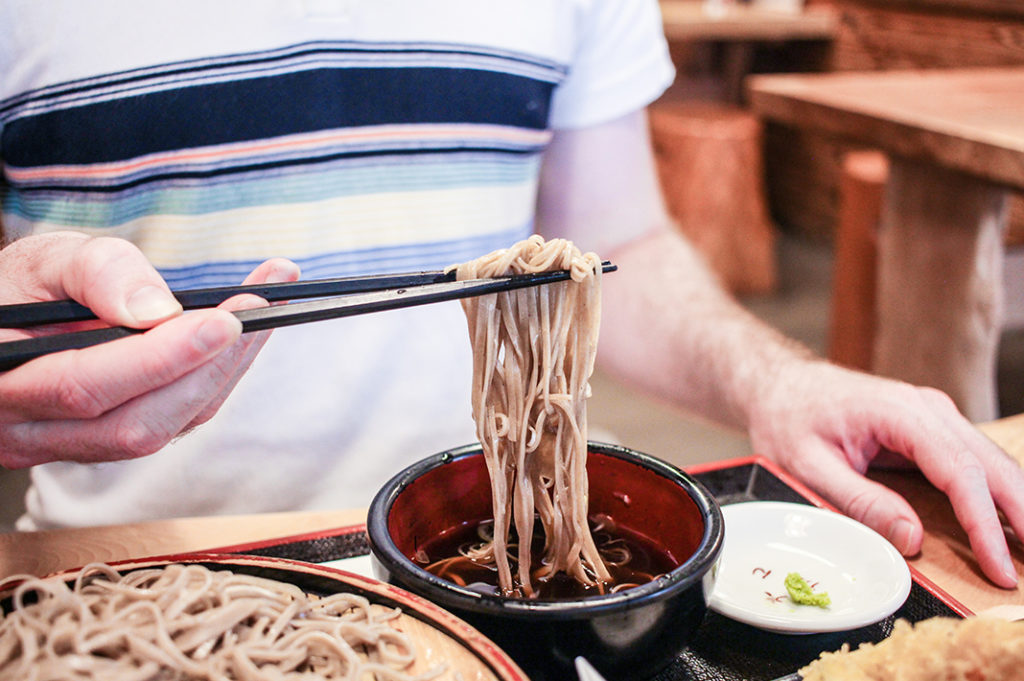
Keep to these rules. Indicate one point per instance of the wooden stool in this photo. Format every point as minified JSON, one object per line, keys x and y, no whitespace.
{"x":711,"y":172}
{"x":852,"y":325}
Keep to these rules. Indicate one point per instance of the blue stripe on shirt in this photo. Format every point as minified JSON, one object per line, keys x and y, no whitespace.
{"x":402,"y":258}
{"x":265,"y":108}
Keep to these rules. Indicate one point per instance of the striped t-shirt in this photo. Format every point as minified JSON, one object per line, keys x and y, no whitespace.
{"x":351,"y":136}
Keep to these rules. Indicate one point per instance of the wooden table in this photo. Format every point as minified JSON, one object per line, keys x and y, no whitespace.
{"x":738,"y":27}
{"x":691,"y":20}
{"x":956,"y":145}
{"x":945,"y":558}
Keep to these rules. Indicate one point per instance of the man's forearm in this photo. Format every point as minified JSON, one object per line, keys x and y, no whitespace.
{"x":669,"y":326}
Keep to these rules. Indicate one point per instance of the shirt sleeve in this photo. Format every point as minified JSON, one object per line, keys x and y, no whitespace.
{"x":620,"y":64}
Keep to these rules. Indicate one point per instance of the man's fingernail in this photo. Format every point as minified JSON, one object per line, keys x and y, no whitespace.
{"x":1009,"y":569}
{"x":282,"y":273}
{"x":901,"y":534}
{"x":214,"y":335}
{"x":152,"y":304}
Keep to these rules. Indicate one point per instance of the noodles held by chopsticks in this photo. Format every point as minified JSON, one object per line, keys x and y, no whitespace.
{"x":533,"y":355}
{"x":188,"y":622}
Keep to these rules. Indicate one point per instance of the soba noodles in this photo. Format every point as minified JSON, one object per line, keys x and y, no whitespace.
{"x":188,"y":622}
{"x":533,"y":355}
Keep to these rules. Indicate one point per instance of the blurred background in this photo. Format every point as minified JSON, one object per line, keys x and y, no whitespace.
{"x":765,"y":202}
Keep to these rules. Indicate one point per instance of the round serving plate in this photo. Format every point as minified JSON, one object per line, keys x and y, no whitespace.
{"x":441,"y":637}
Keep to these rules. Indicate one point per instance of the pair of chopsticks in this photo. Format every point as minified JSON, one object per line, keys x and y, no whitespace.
{"x":339,"y":297}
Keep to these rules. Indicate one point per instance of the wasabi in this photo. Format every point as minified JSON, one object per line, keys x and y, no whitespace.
{"x":800,"y":592}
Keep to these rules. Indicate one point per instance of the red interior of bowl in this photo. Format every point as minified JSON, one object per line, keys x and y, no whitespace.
{"x":636,"y":497}
{"x":438,"y":501}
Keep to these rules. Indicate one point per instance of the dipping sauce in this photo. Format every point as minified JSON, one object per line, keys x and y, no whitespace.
{"x":631,"y":558}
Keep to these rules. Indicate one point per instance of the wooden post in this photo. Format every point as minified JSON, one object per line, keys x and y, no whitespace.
{"x":940,"y":285}
{"x":852,"y":324}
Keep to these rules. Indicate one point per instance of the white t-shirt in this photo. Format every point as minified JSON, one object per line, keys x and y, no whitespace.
{"x":352,"y":136}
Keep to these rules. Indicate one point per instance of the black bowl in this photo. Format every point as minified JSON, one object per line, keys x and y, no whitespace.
{"x":630,"y":634}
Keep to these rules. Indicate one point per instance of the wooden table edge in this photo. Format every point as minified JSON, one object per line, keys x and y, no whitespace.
{"x":798,"y":101}
{"x":686,"y":20}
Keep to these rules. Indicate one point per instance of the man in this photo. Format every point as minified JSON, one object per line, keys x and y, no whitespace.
{"x":358,"y":137}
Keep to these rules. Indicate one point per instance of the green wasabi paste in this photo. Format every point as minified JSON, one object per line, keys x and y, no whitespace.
{"x":800,"y":592}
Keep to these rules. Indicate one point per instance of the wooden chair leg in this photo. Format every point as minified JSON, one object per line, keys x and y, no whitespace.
{"x":852,"y":324}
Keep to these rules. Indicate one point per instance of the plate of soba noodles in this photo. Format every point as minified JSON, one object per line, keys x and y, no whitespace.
{"x":213,"y":616}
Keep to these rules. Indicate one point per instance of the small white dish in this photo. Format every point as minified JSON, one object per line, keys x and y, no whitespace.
{"x":864,"y":575}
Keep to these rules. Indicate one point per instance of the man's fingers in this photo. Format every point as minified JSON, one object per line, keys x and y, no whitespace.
{"x":963,"y":478}
{"x":969,"y":492}
{"x":234,"y":362}
{"x":129,"y":397}
{"x":273,"y":271}
{"x":866,"y":501}
{"x":82,"y":384}
{"x":966,"y":467}
{"x":139,"y":427}
{"x":113,"y":279}
{"x":1003,"y":473}
{"x":241,"y":356}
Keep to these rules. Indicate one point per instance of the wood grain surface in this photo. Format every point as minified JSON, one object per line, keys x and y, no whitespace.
{"x":1012,"y":8}
{"x":964,"y":119}
{"x":875,"y":35}
{"x":48,"y":551}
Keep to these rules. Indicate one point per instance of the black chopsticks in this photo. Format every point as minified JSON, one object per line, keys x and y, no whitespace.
{"x":24,"y":315}
{"x":341,"y":297}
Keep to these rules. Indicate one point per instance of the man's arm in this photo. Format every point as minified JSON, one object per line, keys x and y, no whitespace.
{"x":599,"y":188}
{"x":672,"y":330}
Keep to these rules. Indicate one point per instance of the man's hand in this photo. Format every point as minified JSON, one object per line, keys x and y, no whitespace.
{"x":826,"y":424}
{"x":129,"y":397}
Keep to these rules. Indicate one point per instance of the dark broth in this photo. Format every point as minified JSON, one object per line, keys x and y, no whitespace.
{"x":445,"y":557}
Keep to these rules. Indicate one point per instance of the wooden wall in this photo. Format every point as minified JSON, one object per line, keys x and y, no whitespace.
{"x":802,"y":168}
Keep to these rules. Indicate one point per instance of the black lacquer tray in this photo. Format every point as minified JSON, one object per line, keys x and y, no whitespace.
{"x":723,"y":650}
